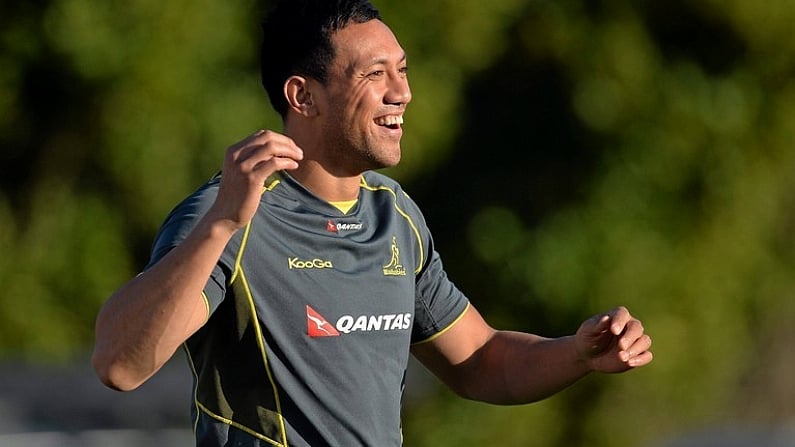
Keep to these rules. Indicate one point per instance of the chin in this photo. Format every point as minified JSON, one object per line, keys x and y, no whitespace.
{"x":390,"y":162}
{"x":385,"y":158}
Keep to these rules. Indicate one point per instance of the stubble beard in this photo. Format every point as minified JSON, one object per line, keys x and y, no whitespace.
{"x":356,"y":155}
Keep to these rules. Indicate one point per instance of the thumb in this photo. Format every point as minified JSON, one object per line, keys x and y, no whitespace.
{"x":594,"y":335}
{"x":596,"y":325}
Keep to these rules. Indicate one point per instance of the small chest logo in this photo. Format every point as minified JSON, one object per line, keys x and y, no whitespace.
{"x":338,"y":227}
{"x":394,"y":267}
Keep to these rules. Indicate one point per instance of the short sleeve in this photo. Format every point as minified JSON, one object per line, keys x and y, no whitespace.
{"x":439,"y":303}
{"x":178,"y":225}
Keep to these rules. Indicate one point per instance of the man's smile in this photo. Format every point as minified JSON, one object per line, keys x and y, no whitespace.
{"x":390,"y":121}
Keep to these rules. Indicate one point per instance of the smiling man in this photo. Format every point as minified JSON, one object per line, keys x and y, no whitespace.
{"x":299,"y":280}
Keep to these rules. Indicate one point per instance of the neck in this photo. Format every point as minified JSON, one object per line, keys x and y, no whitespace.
{"x":329,"y":187}
{"x":320,"y":171}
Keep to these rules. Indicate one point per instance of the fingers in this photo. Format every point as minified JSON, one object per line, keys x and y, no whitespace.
{"x":614,"y":321}
{"x":641,"y":360}
{"x":633,"y":343}
{"x":264,"y":153}
{"x":617,"y":341}
{"x":247,"y":164}
{"x":638,"y":353}
{"x":619,"y":318}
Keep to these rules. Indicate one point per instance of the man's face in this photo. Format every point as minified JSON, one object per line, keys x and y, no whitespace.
{"x":362,"y":103}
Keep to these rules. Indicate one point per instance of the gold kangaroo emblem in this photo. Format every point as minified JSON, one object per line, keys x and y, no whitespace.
{"x":394,"y":268}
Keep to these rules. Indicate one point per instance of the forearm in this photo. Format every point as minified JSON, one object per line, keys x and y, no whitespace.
{"x":144,"y":322}
{"x":504,"y":367}
{"x":518,"y":368}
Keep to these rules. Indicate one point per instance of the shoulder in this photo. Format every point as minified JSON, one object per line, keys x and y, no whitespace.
{"x":379,"y":183}
{"x":184,"y":217}
{"x":375,"y":182}
{"x":204,"y":193}
{"x":197,"y":203}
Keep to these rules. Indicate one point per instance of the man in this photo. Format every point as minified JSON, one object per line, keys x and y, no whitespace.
{"x":299,"y":280}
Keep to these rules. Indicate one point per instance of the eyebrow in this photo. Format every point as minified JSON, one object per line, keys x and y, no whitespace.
{"x":385,"y":60}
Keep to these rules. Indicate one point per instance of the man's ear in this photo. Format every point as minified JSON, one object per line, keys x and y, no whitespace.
{"x":299,"y":96}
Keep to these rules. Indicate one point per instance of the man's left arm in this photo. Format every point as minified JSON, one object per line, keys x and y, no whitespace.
{"x":506,"y":367}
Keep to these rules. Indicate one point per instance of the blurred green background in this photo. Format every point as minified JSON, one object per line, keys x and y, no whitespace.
{"x":570,"y":156}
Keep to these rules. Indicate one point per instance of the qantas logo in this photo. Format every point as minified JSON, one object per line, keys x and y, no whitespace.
{"x":319,"y":326}
{"x":336,"y":227}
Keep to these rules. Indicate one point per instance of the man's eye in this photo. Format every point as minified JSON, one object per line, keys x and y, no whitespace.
{"x":376,"y":74}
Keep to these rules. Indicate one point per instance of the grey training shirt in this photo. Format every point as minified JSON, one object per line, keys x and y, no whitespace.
{"x":312,"y":315}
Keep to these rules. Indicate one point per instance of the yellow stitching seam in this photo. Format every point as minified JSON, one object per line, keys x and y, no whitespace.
{"x":239,"y":426}
{"x":263,"y":352}
{"x":447,"y":328}
{"x":405,"y":216}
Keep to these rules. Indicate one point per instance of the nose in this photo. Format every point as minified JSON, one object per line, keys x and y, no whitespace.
{"x":399,"y":92}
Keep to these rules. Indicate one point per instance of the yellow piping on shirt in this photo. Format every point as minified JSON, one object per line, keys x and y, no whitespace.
{"x":405,"y":216}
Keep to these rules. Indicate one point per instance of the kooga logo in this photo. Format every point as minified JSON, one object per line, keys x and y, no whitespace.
{"x":295,"y":263}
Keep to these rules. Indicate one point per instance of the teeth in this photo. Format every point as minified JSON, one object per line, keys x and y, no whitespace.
{"x":389,"y":120}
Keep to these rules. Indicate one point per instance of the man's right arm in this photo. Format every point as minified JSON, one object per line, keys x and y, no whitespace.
{"x":141,"y":325}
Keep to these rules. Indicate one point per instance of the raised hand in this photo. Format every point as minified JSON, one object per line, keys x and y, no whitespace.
{"x":247,"y":164}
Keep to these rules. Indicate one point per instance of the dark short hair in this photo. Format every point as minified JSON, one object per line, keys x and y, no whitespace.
{"x":297,"y":40}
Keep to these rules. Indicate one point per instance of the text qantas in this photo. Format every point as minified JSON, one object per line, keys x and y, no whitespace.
{"x":319,"y":326}
{"x":365,"y":323}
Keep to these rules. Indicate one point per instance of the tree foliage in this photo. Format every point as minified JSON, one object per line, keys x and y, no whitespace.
{"x":636,"y":154}
{"x":570,"y":156}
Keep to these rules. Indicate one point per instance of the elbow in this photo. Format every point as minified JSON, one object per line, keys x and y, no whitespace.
{"x":474,"y":390}
{"x":113,"y":374}
{"x":468,"y":392}
{"x":484,"y":391}
{"x":475,"y":379}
